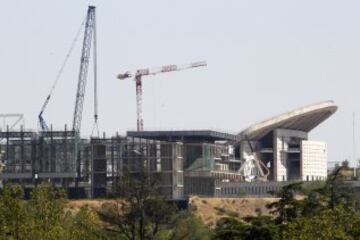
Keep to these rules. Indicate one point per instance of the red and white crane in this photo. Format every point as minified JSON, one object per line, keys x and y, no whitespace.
{"x":138,"y":74}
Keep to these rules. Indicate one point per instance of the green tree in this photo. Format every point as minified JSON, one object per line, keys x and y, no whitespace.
{"x":84,"y":225}
{"x":189,"y":227}
{"x":313,"y":204}
{"x":47,"y":214}
{"x":337,"y":223}
{"x":336,"y":191}
{"x":230,"y":229}
{"x":262,"y":228}
{"x":44,"y":216}
{"x":254,"y":228}
{"x":288,"y":207}
{"x":13,"y":215}
{"x":142,"y":212}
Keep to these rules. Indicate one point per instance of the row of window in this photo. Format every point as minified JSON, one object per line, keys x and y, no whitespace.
{"x":251,"y":190}
{"x":314,"y":178}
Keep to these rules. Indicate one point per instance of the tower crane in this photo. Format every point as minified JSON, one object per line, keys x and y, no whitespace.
{"x":138,"y":74}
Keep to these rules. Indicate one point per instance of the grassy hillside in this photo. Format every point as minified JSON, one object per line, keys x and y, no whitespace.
{"x":212,"y":209}
{"x":209,"y":210}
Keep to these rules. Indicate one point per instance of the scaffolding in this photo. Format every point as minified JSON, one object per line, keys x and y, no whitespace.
{"x":30,"y":158}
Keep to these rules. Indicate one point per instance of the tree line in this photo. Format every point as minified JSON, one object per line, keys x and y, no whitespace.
{"x":139,"y":211}
{"x":329,"y":211}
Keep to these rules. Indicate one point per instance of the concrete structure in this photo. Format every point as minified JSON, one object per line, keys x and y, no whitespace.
{"x":31,"y":158}
{"x":281,"y":144}
{"x":187,"y":162}
{"x":198,"y":162}
{"x":208,"y":158}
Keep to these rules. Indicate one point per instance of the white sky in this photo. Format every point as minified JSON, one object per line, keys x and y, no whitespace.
{"x":264,"y":58}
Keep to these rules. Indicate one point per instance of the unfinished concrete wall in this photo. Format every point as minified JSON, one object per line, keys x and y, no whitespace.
{"x":284,"y":152}
{"x":165,"y":159}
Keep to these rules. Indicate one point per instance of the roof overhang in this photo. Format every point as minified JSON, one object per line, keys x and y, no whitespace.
{"x":208,"y":135}
{"x":302,"y":119}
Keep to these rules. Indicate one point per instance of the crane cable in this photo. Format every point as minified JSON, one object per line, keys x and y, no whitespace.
{"x":59,"y":74}
{"x":67,"y":57}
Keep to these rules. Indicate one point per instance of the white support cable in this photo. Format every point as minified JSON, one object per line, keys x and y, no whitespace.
{"x":42,"y":122}
{"x":67,"y":56}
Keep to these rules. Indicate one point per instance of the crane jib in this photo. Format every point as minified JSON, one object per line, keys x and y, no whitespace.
{"x":169,"y":68}
{"x":199,"y":64}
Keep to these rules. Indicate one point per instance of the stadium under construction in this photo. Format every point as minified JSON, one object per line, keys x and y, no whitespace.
{"x":197,"y":162}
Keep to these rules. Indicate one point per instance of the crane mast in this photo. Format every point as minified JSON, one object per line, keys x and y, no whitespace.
{"x":138,"y":74}
{"x":89,"y":34}
{"x":84,"y":64}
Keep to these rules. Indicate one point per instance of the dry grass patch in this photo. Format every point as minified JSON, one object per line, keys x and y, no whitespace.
{"x":212,"y":209}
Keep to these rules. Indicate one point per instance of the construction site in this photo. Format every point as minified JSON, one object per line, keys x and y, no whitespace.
{"x":209,"y":163}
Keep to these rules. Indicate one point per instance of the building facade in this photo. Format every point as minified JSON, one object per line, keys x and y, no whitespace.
{"x":197,"y":162}
{"x":281,"y":145}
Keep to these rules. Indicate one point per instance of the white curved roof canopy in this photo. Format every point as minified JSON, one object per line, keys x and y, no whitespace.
{"x":303,"y":119}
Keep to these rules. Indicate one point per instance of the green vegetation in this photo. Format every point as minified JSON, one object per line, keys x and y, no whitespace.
{"x":43,"y":216}
{"x":323,"y":211}
{"x":253,"y":228}
{"x":141,"y":212}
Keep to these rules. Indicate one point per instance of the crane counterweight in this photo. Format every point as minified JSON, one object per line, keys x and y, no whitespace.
{"x":124,"y":76}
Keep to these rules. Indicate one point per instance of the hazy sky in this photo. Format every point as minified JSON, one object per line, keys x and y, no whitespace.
{"x":264,"y":58}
